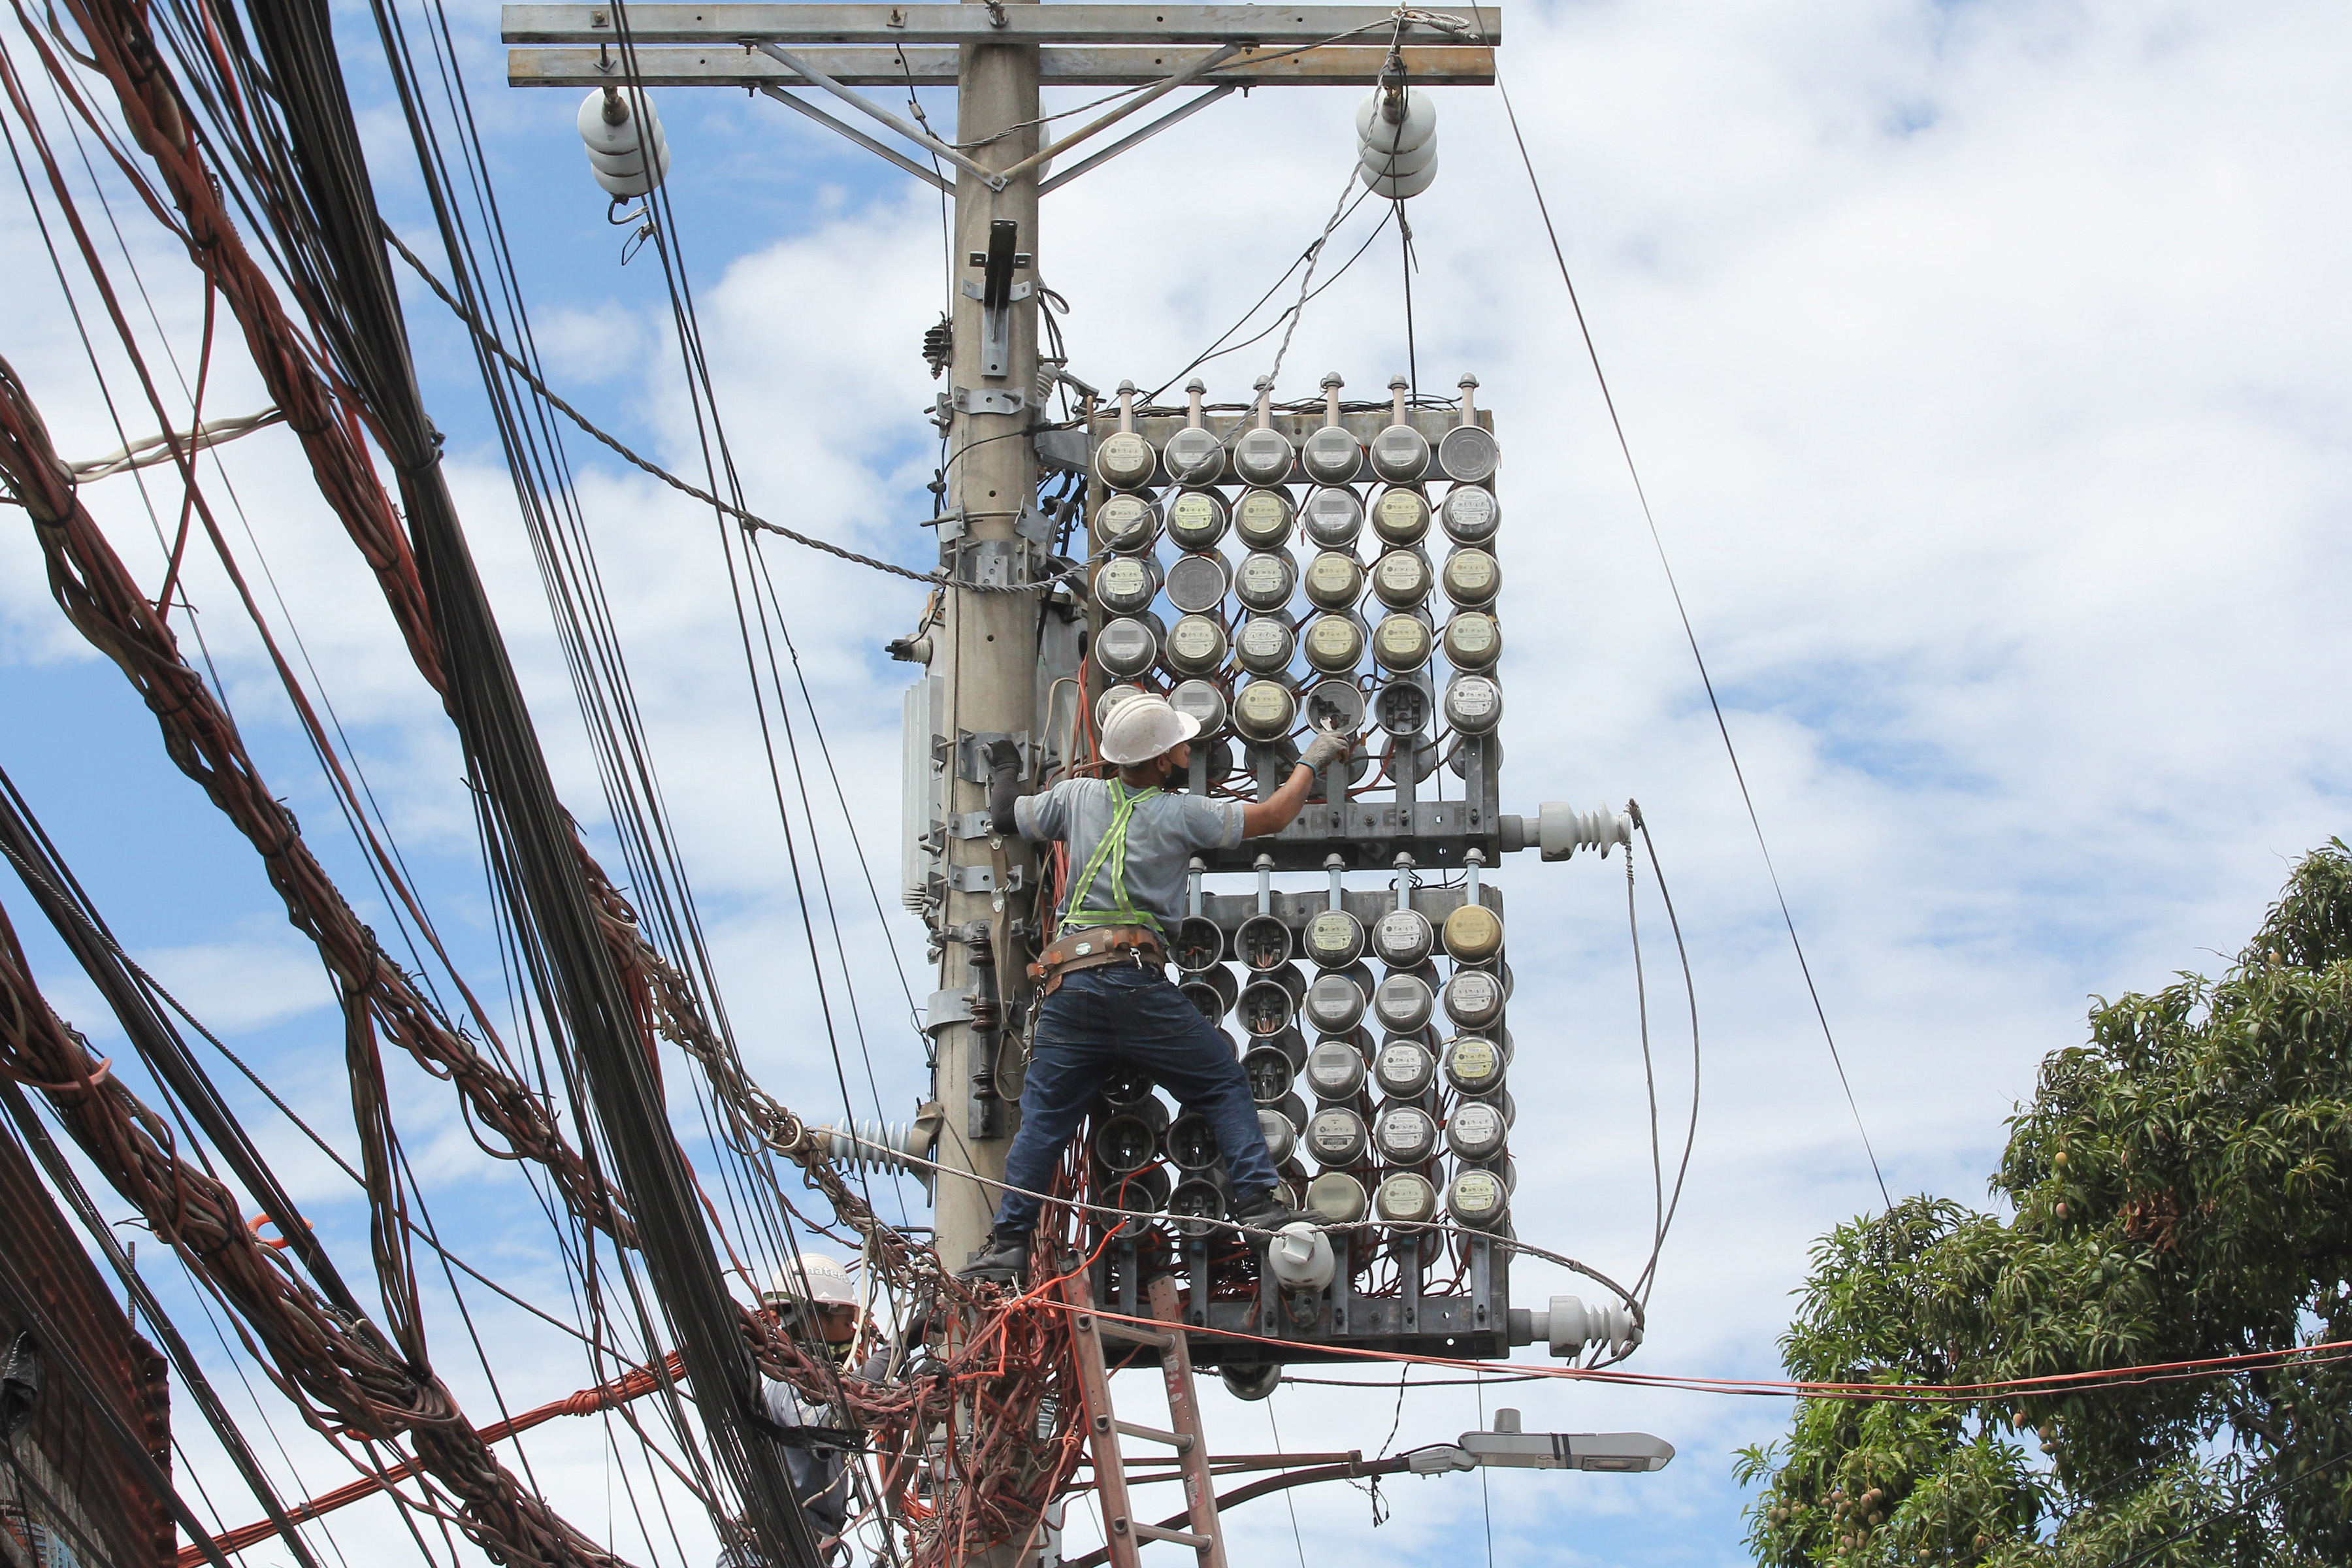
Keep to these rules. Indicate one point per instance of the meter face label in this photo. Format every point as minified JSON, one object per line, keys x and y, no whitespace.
{"x":1476,"y":1130}
{"x":1402,"y":576}
{"x":1334,"y":579}
{"x":1265,"y":642}
{"x":1474,"y":991}
{"x":1336,"y":1136}
{"x":1263,"y":709}
{"x":1402,"y":933}
{"x":1196,"y":642}
{"x":1469,"y":512}
{"x":1262,"y":517}
{"x":1404,"y":1067}
{"x":1407,"y":1198}
{"x":1471,"y":576}
{"x":1472,"y":1062}
{"x":1124,"y":582}
{"x":1333,"y":935}
{"x":1122,"y":521}
{"x":1470,"y":636}
{"x":1333,"y":642}
{"x":1406,"y":1134}
{"x":1473,"y":697}
{"x":1400,"y":516}
{"x":1196,"y":515}
{"x":1476,"y":1194}
{"x":1263,"y":581}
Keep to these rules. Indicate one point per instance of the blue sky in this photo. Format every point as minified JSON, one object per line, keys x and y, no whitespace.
{"x":1985,"y":367}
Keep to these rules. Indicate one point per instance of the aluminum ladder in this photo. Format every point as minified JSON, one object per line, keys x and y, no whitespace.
{"x":1123,"y":1533}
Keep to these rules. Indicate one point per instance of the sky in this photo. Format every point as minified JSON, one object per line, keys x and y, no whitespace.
{"x":1984,"y":368}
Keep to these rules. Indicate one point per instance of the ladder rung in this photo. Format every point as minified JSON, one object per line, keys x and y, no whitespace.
{"x":1181,"y":1537}
{"x":1180,"y":1441}
{"x":1110,"y":1329}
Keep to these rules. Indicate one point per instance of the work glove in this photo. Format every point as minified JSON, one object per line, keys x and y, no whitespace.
{"x":1003,"y":786}
{"x":1327,"y":747}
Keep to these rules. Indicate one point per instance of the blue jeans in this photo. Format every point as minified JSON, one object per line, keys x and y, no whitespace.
{"x":1127,"y":1014}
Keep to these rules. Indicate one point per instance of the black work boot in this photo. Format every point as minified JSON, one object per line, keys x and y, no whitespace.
{"x":1264,"y":1210}
{"x":1002,"y":1260}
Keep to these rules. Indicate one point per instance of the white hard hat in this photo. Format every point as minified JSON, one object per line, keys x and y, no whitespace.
{"x":811,"y":1277}
{"x":1141,"y":728}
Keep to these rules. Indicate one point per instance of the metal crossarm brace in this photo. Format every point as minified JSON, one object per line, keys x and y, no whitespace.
{"x":982,"y":172}
{"x":1094,"y":159}
{"x":879,"y":149}
{"x":888,"y":25}
{"x":732,"y":63}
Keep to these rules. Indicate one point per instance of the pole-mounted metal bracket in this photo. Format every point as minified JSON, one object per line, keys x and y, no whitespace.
{"x":983,"y":878}
{"x":947,"y":1009}
{"x":991,"y":399}
{"x":997,"y":294}
{"x":971,"y":753}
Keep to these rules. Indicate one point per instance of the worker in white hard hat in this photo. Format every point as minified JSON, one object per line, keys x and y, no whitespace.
{"x":816,"y":1301}
{"x":1107,"y":1001}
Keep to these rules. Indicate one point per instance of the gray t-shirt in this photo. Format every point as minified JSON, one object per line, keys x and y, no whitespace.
{"x":1165,"y":833}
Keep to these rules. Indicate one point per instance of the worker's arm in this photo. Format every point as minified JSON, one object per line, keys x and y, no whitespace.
{"x":1280,"y":809}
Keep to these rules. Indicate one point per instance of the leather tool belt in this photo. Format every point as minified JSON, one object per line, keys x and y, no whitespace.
{"x":1091,"y":948}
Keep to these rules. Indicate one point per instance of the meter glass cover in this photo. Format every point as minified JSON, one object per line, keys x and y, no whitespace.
{"x":1334,"y":580}
{"x":1334,"y":1005}
{"x":1263,"y":456}
{"x":1402,"y":646}
{"x":1473,"y":704}
{"x":1406,"y":1198}
{"x":1475,"y":1130}
{"x":1334,"y":939}
{"x":1125,"y":522}
{"x":1476,"y":1198}
{"x":1194,"y":456}
{"x":1405,"y":1134}
{"x":1124,"y":459}
{"x":1472,"y":1064}
{"x":1262,"y":519}
{"x":1335,"y":1068}
{"x":1473,"y":933}
{"x":1337,"y":1196}
{"x":1472,"y":578}
{"x":1401,"y":578}
{"x":1265,"y":581}
{"x":1470,"y":513}
{"x":1196,"y":644}
{"x":1402,"y":706}
{"x":1202,"y":702}
{"x":1336,"y":703}
{"x":1403,"y":1004}
{"x":1331,"y":455}
{"x":1472,"y":640}
{"x":1469,"y":454}
{"x":1399,"y":454}
{"x":1400,"y":516}
{"x":1196,"y":519}
{"x":1125,"y":585}
{"x":1281,"y":1137}
{"x":1265,"y":644}
{"x":1403,"y":938}
{"x":1334,"y":643}
{"x":1125,"y":648}
{"x":1403,"y":1069}
{"x":1264,"y":711}
{"x":1335,"y":1136}
{"x":1196,"y":583}
{"x":1474,"y":999}
{"x":1333,"y":517}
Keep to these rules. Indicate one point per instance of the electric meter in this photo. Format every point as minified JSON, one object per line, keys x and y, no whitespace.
{"x":1472,"y":578}
{"x":1474,"y":999}
{"x":1332,"y":517}
{"x":1194,"y":455}
{"x":1112,"y":698}
{"x":1404,"y":1069}
{"x":1469,"y":514}
{"x":1125,"y":460}
{"x":1281,"y":1137}
{"x":1265,"y":580}
{"x":1400,"y":516}
{"x":1128,"y":646}
{"x":1334,"y":643}
{"x":1196,"y":519}
{"x":1476,"y":1130}
{"x":1404,"y":1135}
{"x":1331,"y":454}
{"x":1403,"y":1004}
{"x":1262,"y":519}
{"x":1197,"y":584}
{"x":1195,"y":1207}
{"x":1264,"y":711}
{"x":1472,"y":640}
{"x":1401,"y":645}
{"x":1400,"y":453}
{"x":1196,"y":646}
{"x":1335,"y":1136}
{"x":1200,"y":701}
{"x":1261,"y":454}
{"x":1402,"y":938}
{"x":1335,"y":581}
{"x":1474,"y":934}
{"x":1141,"y":1192}
{"x":1473,"y":1064}
{"x":1334,"y":939}
{"x":1197,"y":946}
{"x":1192,"y":1142}
{"x":1335,"y":1068}
{"x":1333,"y":1005}
{"x":1337,"y":1197}
{"x":1265,"y":1009}
{"x":1473,"y":704}
{"x":1402,"y":707}
{"x":1262,"y":943}
{"x":1127,"y":523}
{"x":1401,"y":578}
{"x":1125,"y":1141}
{"x":1477,"y":1199}
{"x":1263,"y":645}
{"x":1467,"y":452}
{"x":1405,"y":1197}
{"x":1337,"y":705}
{"x":1270,"y":1074}
{"x":1126,"y":584}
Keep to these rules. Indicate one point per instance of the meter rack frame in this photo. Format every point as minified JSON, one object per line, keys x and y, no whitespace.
{"x":1368,"y":834}
{"x":1380,"y":1296}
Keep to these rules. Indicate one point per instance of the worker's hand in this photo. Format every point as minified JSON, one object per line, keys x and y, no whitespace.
{"x":1003,"y":753}
{"x":1327,"y":747}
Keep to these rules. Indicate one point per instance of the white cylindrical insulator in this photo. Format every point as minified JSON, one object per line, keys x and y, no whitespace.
{"x":1299,"y":1258}
{"x":875,"y":1145}
{"x":1561,"y":829}
{"x":1568,"y":1325}
{"x":1397,"y":157}
{"x":616,"y":147}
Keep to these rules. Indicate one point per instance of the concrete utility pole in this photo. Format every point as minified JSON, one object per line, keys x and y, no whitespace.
{"x":987,"y":647}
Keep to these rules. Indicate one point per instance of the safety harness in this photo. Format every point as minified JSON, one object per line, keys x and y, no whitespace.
{"x":1097,"y":936}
